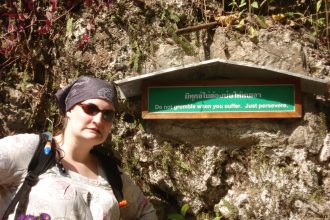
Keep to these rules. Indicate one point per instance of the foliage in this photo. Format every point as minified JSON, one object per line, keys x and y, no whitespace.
{"x":33,"y":35}
{"x":181,"y":215}
{"x":34,"y":31}
{"x":206,"y":216}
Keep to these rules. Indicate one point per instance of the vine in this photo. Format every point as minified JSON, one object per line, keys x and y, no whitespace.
{"x":31,"y":31}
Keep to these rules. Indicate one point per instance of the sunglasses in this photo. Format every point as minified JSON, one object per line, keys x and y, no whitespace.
{"x":92,"y":110}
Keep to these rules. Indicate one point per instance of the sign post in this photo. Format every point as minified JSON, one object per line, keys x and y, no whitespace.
{"x":222,"y":99}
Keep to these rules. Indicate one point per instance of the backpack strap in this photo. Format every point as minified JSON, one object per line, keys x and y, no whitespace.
{"x":110,"y":166}
{"x":42,"y":160}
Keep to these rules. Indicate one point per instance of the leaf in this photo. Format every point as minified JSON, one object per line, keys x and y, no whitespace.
{"x":54,"y":5}
{"x":233,"y":4}
{"x":170,"y":15}
{"x":278,"y":17}
{"x":261,"y":21}
{"x":253,"y":33}
{"x":318,"y":5}
{"x":299,"y":14}
{"x":293,"y":14}
{"x":225,"y":20}
{"x":22,"y":16}
{"x":175,"y":18}
{"x":175,"y":216}
{"x":85,"y":37}
{"x":136,"y":57}
{"x":49,"y":15}
{"x":69,"y":27}
{"x":184,"y":209}
{"x":135,"y":45}
{"x":320,"y":21}
{"x":254,"y":5}
{"x":241,"y":24}
{"x":242,"y":4}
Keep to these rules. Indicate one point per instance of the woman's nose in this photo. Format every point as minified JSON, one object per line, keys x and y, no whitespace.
{"x":98,"y":117}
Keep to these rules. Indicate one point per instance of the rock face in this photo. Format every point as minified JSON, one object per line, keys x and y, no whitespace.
{"x":243,"y":168}
{"x":235,"y":168}
{"x":248,"y":169}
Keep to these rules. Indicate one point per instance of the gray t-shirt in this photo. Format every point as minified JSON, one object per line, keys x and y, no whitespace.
{"x":65,"y":196}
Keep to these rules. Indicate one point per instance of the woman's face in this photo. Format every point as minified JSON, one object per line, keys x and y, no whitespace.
{"x":91,"y":120}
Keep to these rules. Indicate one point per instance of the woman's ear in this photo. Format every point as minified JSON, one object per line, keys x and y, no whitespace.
{"x":68,"y":114}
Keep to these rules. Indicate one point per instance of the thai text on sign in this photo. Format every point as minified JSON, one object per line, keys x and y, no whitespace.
{"x":245,"y":97}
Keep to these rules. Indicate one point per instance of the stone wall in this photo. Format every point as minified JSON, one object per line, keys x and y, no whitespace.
{"x":240,"y":168}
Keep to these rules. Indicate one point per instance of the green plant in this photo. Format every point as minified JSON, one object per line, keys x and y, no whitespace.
{"x":166,"y":155}
{"x":136,"y":58}
{"x":233,"y":209}
{"x":209,"y":216}
{"x":181,"y":215}
{"x":237,"y":6}
{"x":170,"y":19}
{"x":183,"y":165}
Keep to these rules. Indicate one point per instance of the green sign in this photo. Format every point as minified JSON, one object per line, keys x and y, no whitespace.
{"x":233,"y":98}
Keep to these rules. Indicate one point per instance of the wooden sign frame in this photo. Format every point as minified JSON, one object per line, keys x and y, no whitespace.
{"x":212,"y":86}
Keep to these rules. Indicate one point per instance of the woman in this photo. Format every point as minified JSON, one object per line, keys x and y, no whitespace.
{"x":77,"y":187}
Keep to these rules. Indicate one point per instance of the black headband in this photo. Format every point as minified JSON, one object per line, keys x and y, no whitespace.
{"x":84,"y":88}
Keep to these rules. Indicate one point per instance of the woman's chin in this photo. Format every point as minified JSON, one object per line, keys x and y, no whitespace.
{"x":95,"y":137}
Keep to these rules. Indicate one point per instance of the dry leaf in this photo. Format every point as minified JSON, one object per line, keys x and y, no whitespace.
{"x":225,"y":20}
{"x":278,"y":17}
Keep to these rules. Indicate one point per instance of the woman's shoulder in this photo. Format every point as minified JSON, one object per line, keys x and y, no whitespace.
{"x":25,"y":142}
{"x":15,"y":153}
{"x":22,"y":138}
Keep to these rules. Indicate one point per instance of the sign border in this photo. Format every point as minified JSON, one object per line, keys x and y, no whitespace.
{"x":222,"y":115}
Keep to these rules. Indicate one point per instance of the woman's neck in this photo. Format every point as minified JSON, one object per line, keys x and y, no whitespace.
{"x":74,"y":149}
{"x":77,"y":157}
